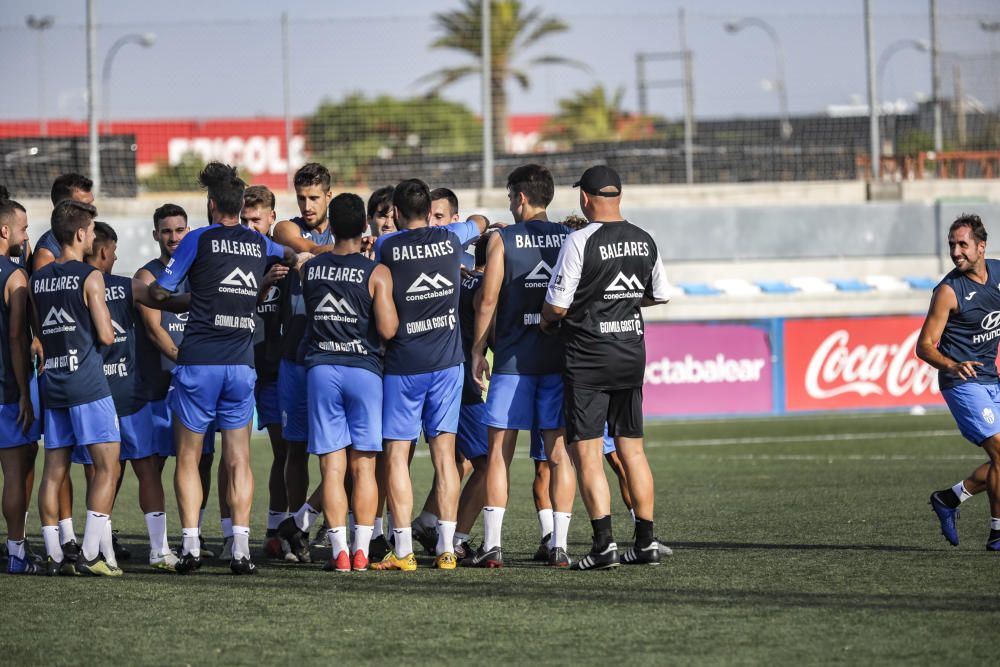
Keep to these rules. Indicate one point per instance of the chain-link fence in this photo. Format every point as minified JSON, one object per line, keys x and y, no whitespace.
{"x":762,"y":97}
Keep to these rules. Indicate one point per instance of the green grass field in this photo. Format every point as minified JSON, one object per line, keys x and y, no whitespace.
{"x":797,"y":541}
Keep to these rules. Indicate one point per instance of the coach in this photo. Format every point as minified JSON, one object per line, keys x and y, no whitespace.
{"x":605,"y":273}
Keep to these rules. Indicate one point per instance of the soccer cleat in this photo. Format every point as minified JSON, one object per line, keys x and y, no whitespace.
{"x":24,"y":565}
{"x":71,"y":551}
{"x":647,"y":555}
{"x":97,"y":567}
{"x":464,"y":551}
{"x":664,"y":549}
{"x":427,"y":537}
{"x":342,"y":563}
{"x":121,"y":551}
{"x":227,"y":549}
{"x":35,"y":558}
{"x":322,"y":538}
{"x":273,"y":547}
{"x":946,"y":516}
{"x":559,"y":558}
{"x":378,"y":548}
{"x":187,"y":563}
{"x":299,"y":547}
{"x":993,"y":541}
{"x":446,"y":561}
{"x":359,"y":563}
{"x":205,"y":551}
{"x":392,"y":562}
{"x":242,"y":566}
{"x":62,"y":568}
{"x":166,"y":561}
{"x":542,"y":552}
{"x":599,"y":560}
{"x":491,"y":558}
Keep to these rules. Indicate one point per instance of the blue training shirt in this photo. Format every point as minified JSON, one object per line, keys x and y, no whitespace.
{"x":972,"y":333}
{"x":426,"y":272}
{"x":224,"y":266}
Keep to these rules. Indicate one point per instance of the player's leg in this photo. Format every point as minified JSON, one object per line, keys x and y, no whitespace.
{"x":472,"y":442}
{"x":541,"y":494}
{"x":362,"y":392}
{"x":328,"y":439}
{"x":364,"y":500}
{"x":14,"y":463}
{"x":441,"y":412}
{"x":333,"y":468}
{"x":292,"y":397}
{"x":55,"y":468}
{"x":992,"y":448}
{"x":277,"y":498}
{"x":615,"y":463}
{"x":234,"y":417}
{"x":100,"y":503}
{"x":625,"y":425}
{"x":67,"y":533}
{"x":549,"y":399}
{"x":379,"y":545}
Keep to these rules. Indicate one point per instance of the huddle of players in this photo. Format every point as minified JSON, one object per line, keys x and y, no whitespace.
{"x":355,"y":357}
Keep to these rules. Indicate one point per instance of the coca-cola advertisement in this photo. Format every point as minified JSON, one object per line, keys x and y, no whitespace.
{"x":856,"y":363}
{"x":699,"y":369}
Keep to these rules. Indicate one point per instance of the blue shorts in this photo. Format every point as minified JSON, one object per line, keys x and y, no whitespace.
{"x":268,"y":408}
{"x":431,"y":400}
{"x":538,"y":444}
{"x":201,"y":394}
{"x":163,"y":431}
{"x":11,"y":433}
{"x":976,"y":409}
{"x":88,"y":424}
{"x":523,"y":401}
{"x":472,"y":438}
{"x":345,"y":409}
{"x":137,"y":434}
{"x":292,"y":401}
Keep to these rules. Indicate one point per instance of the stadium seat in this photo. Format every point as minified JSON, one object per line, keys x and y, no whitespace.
{"x":737,"y":287}
{"x":813,"y":285}
{"x":699,"y":289}
{"x":850,"y":285}
{"x":920,"y":282}
{"x":776,"y":287}
{"x":884,"y":283}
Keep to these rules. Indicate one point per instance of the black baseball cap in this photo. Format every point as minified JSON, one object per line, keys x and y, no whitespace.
{"x":598,"y":177}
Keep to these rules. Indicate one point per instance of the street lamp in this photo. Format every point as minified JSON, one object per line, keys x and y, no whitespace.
{"x":145,"y":40}
{"x":921,"y":45}
{"x":41,"y":24}
{"x":779,"y":57}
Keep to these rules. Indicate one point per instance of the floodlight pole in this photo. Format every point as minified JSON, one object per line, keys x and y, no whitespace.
{"x":487,"y":56}
{"x":92,"y":105}
{"x":286,"y":100}
{"x":872,"y":94}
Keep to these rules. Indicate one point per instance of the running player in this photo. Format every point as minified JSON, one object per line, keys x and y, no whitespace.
{"x":956,"y":339}
{"x":526,"y":385}
{"x":214,"y":378}
{"x":349,"y":311}
{"x":423,"y":363}
{"x":72,"y":317}
{"x":605,"y":273}
{"x":20,"y":418}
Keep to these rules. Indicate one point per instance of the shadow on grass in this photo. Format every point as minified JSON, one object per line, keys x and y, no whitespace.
{"x":731,"y":546}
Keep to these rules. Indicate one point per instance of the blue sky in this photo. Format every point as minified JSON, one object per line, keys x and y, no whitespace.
{"x":222,"y":58}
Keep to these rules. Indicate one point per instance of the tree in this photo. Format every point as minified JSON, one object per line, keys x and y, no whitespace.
{"x":596,"y":116}
{"x":347,"y":135}
{"x":180,"y":177}
{"x":512,"y":30}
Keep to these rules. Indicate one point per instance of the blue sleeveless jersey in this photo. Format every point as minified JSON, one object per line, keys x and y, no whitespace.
{"x":74,"y":372}
{"x":9,"y":392}
{"x":48,"y":241}
{"x":426,"y":271}
{"x":973,"y":333}
{"x":292,"y":305}
{"x":267,"y":335}
{"x":530,"y":251}
{"x":224,"y":266}
{"x":340,"y":314}
{"x":154,"y":368}
{"x":467,"y":322}
{"x":119,"y":357}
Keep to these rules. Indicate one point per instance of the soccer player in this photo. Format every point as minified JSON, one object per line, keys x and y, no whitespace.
{"x":526,"y":385}
{"x":956,"y":340}
{"x":72,"y":317}
{"x":310,"y":232}
{"x":135,"y":417}
{"x":605,"y":274}
{"x":381,"y":215}
{"x":423,"y":363}
{"x":444,"y":207}
{"x":350,"y":311}
{"x":20,"y":418}
{"x":158,"y":337}
{"x":258,"y":214}
{"x":214,"y":378}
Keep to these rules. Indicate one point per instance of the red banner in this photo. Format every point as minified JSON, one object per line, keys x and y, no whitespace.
{"x":856,"y":363}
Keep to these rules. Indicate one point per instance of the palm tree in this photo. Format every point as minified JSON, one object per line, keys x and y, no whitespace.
{"x":595,"y":115}
{"x":512,"y":30}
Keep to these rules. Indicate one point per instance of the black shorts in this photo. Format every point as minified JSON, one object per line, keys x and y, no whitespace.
{"x":588,"y":409}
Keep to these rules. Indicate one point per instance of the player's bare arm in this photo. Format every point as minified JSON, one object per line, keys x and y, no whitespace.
{"x":16,"y":296}
{"x":273,"y":275}
{"x":943,"y":304}
{"x":156,"y":334}
{"x":489,"y":296}
{"x":288,"y":234}
{"x":93,"y":298}
{"x":42,"y":257}
{"x":386,"y":317}
{"x":180,"y":303}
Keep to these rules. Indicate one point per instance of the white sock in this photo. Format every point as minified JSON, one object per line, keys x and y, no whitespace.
{"x":994,"y":523}
{"x":108,"y":546}
{"x":53,"y":547}
{"x":156,"y":526}
{"x":338,"y":539}
{"x":492,"y":524}
{"x":241,"y":542}
{"x":93,"y":531}
{"x":960,"y":491}
{"x":305,"y":516}
{"x":460,"y":538}
{"x":362,"y":536}
{"x":190,"y":544}
{"x":274,"y":519}
{"x":404,"y":541}
{"x":26,"y":523}
{"x":66,"y":533}
{"x":446,"y":536}
{"x":632,"y":512}
{"x":377,"y":528}
{"x":16,"y":548}
{"x":390,"y":526}
{"x":425,"y":520}
{"x":350,"y":523}
{"x":545,"y":522}
{"x":560,"y":529}
{"x":227,"y":527}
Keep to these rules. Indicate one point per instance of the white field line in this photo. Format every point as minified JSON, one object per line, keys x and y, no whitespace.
{"x":820,"y":437}
{"x":850,"y":457}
